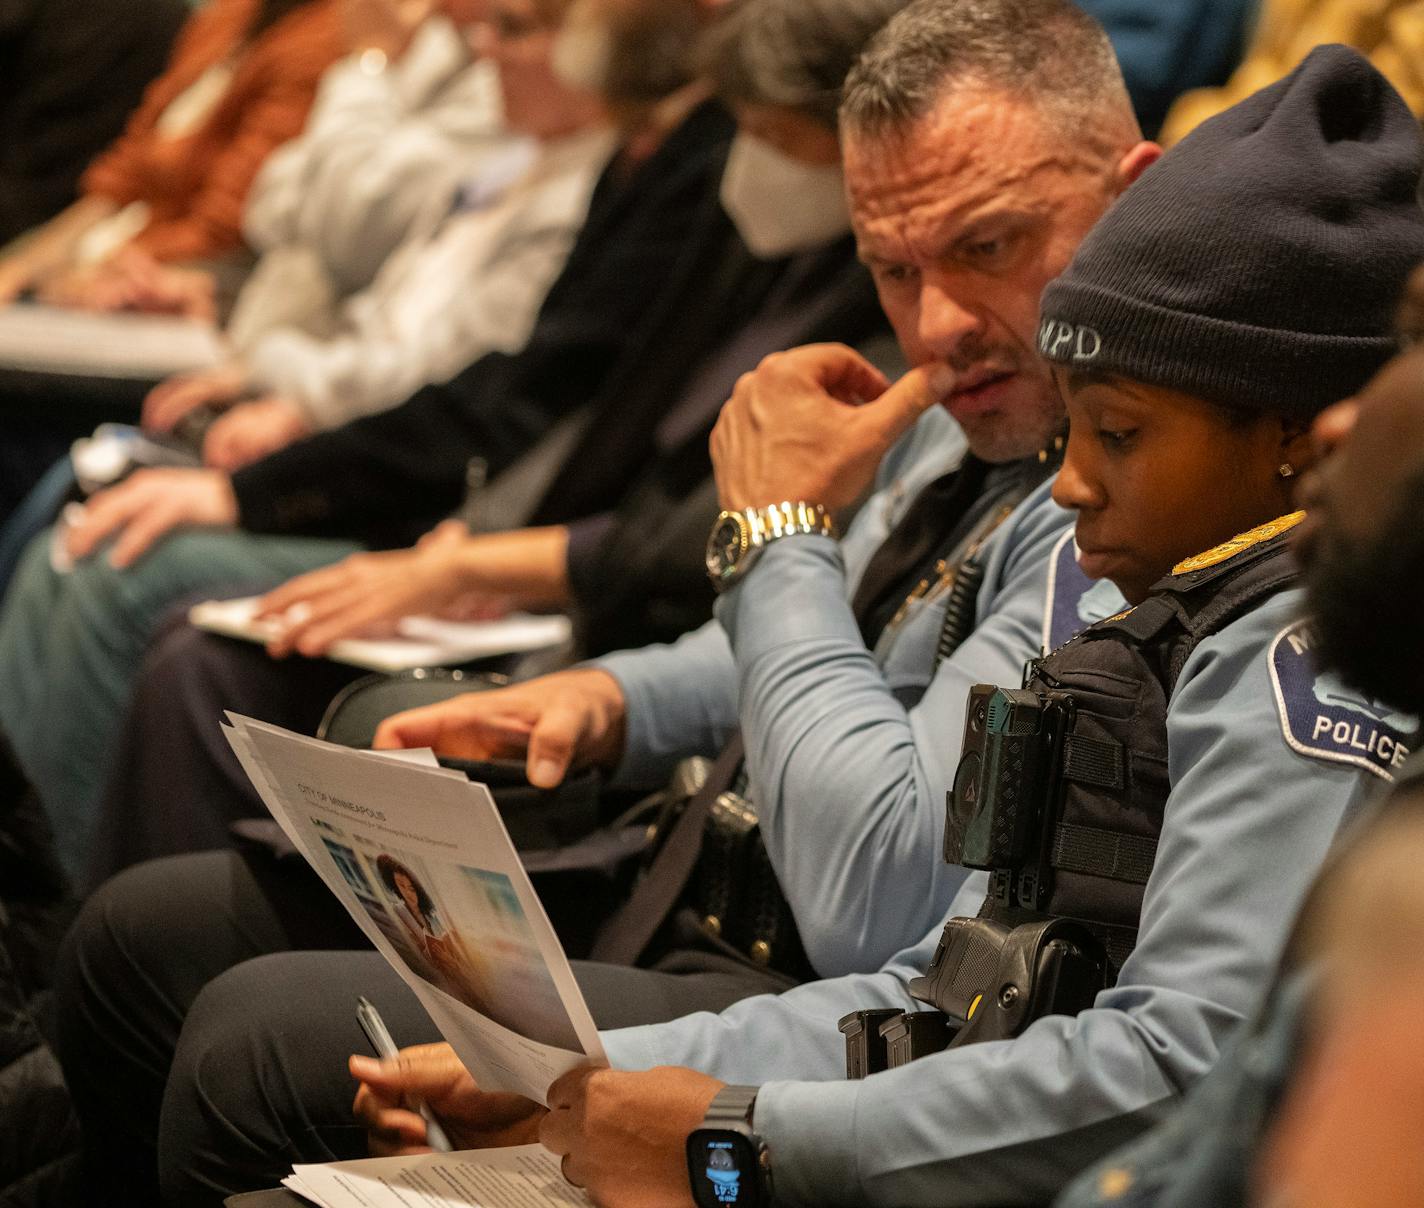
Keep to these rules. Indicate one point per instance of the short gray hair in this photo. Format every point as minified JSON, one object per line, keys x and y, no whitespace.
{"x":1047,"y":51}
{"x":792,"y":53}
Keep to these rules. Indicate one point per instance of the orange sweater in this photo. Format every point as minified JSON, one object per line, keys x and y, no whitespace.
{"x":196,"y":185}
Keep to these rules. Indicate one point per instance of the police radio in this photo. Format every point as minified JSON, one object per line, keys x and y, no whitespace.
{"x":999,"y":813}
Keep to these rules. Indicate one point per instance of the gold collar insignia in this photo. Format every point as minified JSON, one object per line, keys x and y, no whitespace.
{"x":1239,"y":543}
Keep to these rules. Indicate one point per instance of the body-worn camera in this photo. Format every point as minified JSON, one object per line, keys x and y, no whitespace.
{"x":999,"y":811}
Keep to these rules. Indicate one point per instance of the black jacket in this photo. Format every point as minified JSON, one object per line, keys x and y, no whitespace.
{"x":73,"y":70}
{"x":389,"y":477}
{"x":637,"y":569}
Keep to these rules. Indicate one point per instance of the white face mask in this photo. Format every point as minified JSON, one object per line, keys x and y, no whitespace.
{"x":582,"y":55}
{"x":779,"y":204}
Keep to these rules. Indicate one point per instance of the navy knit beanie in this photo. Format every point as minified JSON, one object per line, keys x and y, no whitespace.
{"x":1259,"y":262}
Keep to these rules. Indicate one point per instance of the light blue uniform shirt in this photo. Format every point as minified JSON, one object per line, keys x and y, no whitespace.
{"x":849,"y":782}
{"x":1251,"y":812}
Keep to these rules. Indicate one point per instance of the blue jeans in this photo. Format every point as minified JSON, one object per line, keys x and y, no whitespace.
{"x":71,"y":645}
{"x":35,"y":514}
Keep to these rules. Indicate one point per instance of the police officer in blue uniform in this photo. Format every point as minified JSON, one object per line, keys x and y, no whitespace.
{"x":1363,"y":559}
{"x":1242,"y":286}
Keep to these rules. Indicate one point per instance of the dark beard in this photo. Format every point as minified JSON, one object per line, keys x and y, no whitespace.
{"x":1365,"y":599}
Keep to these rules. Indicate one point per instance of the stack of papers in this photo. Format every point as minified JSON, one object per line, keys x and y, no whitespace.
{"x":421,"y":641}
{"x":49,"y":339}
{"x":522,"y":1176}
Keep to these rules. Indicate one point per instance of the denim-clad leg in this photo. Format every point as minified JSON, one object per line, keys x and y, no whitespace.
{"x":71,"y":644}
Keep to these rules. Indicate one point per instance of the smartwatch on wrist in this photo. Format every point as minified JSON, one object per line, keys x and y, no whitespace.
{"x":738,"y":538}
{"x":727,"y":1163}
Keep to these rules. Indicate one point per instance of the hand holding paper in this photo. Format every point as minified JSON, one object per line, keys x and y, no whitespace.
{"x":432,"y":1074}
{"x":420,"y":858}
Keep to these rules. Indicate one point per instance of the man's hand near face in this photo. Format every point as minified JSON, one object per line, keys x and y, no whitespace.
{"x":557,"y":721}
{"x":812,"y":425}
{"x":148,"y":505}
{"x":622,"y":1135}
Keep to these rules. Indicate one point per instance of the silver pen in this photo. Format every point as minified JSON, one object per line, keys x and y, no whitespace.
{"x":380,"y":1037}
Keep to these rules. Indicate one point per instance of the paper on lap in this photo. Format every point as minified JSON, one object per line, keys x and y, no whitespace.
{"x":524,"y":1176}
{"x":421,"y":641}
{"x":50,"y":339}
{"x":460,"y":922}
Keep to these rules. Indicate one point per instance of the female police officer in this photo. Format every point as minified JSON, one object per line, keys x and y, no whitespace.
{"x":1245,"y":283}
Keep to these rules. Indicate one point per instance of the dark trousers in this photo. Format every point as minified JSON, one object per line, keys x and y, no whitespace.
{"x":174,"y":784}
{"x":205,"y":1040}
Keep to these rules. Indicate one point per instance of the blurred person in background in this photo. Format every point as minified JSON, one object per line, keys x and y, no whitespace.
{"x":468,"y":278}
{"x":1390,"y":32}
{"x":618,"y":536}
{"x":1167,"y":48}
{"x":384,"y":479}
{"x":170,"y":190}
{"x":74,"y":70}
{"x":406,"y":115}
{"x":397,"y":126}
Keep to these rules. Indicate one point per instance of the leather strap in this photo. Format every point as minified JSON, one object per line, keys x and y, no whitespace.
{"x":626,"y":935}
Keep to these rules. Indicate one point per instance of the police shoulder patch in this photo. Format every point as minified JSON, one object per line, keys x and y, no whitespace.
{"x":1239,"y":544}
{"x":1322,"y":719}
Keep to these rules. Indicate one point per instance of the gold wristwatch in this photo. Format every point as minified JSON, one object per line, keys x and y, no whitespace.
{"x":738,"y":538}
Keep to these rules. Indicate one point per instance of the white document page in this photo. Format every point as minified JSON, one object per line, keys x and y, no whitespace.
{"x":50,"y":339}
{"x":523,"y":1176}
{"x":420,"y":641}
{"x":420,"y":858}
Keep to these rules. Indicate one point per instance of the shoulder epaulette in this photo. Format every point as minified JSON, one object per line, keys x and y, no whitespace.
{"x":1238,"y":545}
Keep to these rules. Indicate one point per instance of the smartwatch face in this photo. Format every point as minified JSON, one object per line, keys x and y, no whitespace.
{"x":722,"y":1166}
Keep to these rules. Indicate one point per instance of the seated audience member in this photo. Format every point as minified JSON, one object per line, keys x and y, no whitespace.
{"x":1284,"y":33}
{"x":381,"y":150}
{"x":637,"y":485}
{"x":1166,"y":454}
{"x":468,"y":279}
{"x":401,"y":119}
{"x":1364,"y":563}
{"x":158,"y":223}
{"x":650,"y":212}
{"x":171,"y":189}
{"x":859,"y":664}
{"x":74,"y":71}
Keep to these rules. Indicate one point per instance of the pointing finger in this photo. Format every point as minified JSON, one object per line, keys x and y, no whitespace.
{"x":903,"y":403}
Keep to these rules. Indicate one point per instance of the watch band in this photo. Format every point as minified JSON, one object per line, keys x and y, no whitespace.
{"x":732,"y":1105}
{"x":737,"y":538}
{"x":786,"y":519}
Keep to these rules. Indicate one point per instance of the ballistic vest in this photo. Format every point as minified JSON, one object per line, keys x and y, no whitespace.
{"x":1055,"y":929}
{"x":1121,"y":673}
